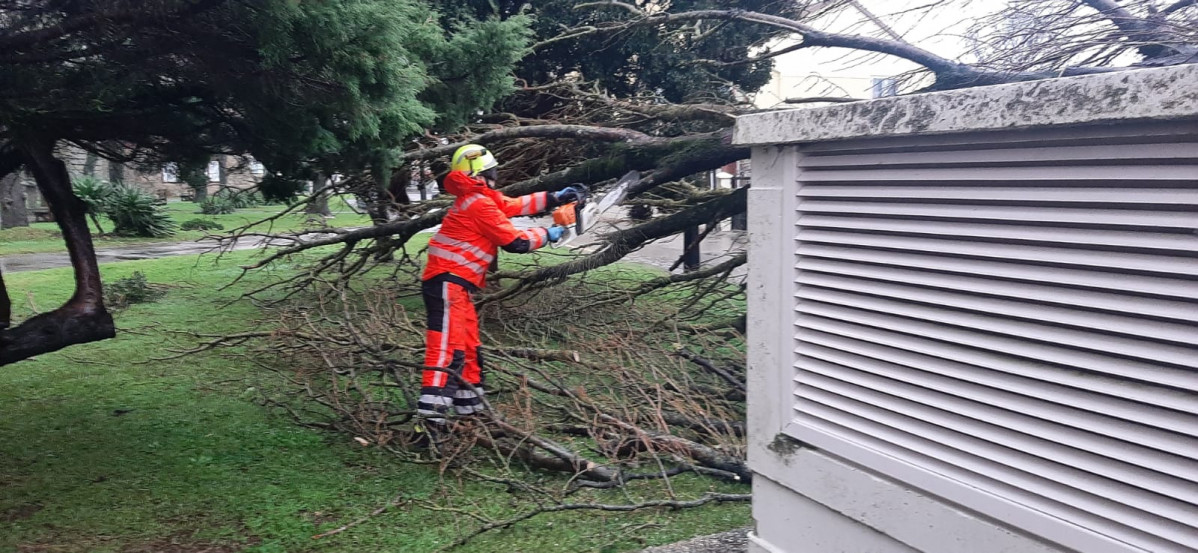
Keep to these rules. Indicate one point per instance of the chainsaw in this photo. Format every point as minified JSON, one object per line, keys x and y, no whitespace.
{"x":578,"y":217}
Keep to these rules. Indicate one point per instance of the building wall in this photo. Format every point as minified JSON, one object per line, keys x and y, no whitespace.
{"x":973,"y":320}
{"x":78,"y":162}
{"x":236,"y":175}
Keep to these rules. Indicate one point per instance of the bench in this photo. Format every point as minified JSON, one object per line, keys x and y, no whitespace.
{"x":42,"y":215}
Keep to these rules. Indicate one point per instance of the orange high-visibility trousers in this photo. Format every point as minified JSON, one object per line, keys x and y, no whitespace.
{"x":451,"y":349}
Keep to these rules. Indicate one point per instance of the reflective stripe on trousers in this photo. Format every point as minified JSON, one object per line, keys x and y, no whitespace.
{"x":451,"y":349}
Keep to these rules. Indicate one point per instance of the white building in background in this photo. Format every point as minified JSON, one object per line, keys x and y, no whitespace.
{"x":840,"y":73}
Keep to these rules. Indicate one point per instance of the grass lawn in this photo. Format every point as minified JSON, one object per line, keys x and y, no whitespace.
{"x":45,"y":237}
{"x":103,"y":451}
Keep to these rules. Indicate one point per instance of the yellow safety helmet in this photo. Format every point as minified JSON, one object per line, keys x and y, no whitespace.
{"x":473,"y":159}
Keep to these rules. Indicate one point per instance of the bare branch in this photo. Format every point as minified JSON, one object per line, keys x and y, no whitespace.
{"x":576,"y":132}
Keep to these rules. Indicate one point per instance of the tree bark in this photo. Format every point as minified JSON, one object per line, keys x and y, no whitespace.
{"x":398,"y":187}
{"x":89,"y":164}
{"x":13,"y":211}
{"x":116,"y":172}
{"x":320,"y":204}
{"x":221,"y":160}
{"x":1152,"y":41}
{"x":690,"y":249}
{"x":5,"y":304}
{"x":82,"y":318}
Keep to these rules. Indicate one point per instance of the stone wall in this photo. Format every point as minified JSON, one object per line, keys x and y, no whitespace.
{"x":235,"y":173}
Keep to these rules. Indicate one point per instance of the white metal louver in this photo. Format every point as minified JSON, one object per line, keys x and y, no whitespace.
{"x":1009,"y":321}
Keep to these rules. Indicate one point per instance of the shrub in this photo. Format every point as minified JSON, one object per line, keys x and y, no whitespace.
{"x":135,"y":213}
{"x":94,"y":192}
{"x":240,"y":199}
{"x":130,"y":290}
{"x":279,"y":189}
{"x":201,"y":224}
{"x":216,"y":205}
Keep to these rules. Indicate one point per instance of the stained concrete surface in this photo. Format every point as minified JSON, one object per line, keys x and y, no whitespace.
{"x":733,"y":541}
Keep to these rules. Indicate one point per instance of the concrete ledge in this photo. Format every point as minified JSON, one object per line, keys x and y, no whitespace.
{"x":847,"y":509}
{"x":1133,"y":95}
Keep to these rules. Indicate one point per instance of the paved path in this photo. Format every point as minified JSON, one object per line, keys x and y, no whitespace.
{"x":733,"y":541}
{"x":53,"y":260}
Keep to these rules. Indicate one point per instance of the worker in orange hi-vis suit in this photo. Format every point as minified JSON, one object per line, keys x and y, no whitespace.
{"x":458,"y":256}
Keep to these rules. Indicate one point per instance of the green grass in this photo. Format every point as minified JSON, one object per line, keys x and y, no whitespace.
{"x":45,"y":237}
{"x":102,"y":451}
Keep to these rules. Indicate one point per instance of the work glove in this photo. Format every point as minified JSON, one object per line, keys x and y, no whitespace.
{"x":567,"y":195}
{"x":555,"y":233}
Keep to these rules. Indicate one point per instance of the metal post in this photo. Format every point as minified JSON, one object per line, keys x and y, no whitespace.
{"x":740,"y":221}
{"x":690,"y":249}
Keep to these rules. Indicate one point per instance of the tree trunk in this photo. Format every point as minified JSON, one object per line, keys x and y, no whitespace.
{"x":116,"y":173}
{"x":397,"y":189}
{"x":13,"y":210}
{"x":89,"y":164}
{"x":690,"y":249}
{"x":320,"y":203}
{"x":5,"y":304}
{"x":83,"y":317}
{"x":201,"y":190}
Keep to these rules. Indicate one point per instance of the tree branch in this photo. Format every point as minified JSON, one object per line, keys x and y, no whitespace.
{"x":949,"y":74}
{"x":620,"y":243}
{"x":68,"y":26}
{"x":709,"y":497}
{"x":1135,"y":28}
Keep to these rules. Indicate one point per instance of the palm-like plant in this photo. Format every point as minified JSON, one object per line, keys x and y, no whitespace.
{"x":94,"y":192}
{"x":134,"y":213}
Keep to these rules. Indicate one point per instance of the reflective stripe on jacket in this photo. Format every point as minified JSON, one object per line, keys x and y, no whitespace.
{"x":477,"y":226}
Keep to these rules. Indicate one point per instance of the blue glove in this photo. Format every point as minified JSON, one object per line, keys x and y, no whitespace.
{"x":555,"y":233}
{"x":567,"y":195}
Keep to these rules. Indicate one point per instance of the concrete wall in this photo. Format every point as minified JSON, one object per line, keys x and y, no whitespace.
{"x":925,"y":257}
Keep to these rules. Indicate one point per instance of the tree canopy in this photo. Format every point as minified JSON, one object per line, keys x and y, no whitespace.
{"x":293,"y":83}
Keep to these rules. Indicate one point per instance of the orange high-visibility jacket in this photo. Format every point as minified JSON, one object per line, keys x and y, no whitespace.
{"x":477,"y":226}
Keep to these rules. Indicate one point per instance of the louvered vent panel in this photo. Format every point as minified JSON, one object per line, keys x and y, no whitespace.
{"x":1015,"y":315}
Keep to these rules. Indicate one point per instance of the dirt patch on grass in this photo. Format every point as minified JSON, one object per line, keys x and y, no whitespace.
{"x":24,"y":234}
{"x":20,"y":512}
{"x":174,"y":544}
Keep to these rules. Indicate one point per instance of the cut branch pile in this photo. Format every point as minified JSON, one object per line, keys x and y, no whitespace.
{"x":607,"y":381}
